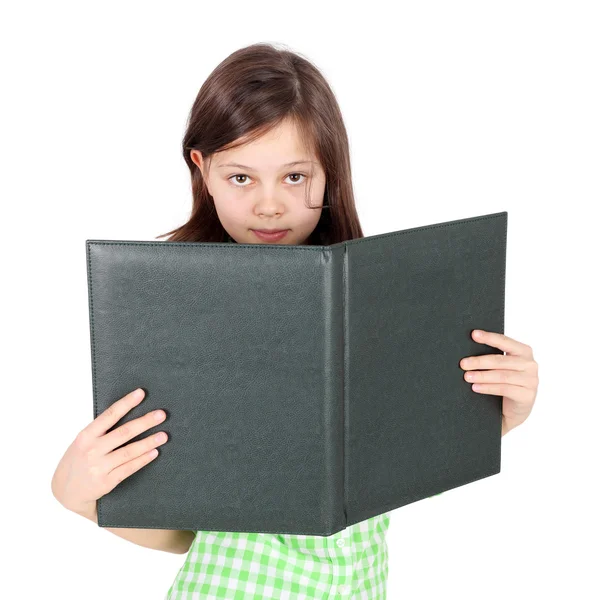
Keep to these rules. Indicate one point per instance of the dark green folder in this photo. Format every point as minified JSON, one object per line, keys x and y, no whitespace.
{"x":307,"y":388}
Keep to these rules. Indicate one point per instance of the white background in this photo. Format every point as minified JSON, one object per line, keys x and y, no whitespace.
{"x":454,"y":109}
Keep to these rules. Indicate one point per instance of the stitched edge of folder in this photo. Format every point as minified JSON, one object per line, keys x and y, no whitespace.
{"x":94,"y":388}
{"x":504,"y":274}
{"x":283,"y":247}
{"x":503,"y":319}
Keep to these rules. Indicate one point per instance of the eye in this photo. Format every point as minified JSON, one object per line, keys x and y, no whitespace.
{"x":298,"y":182}
{"x":235,"y":184}
{"x":246,"y":176}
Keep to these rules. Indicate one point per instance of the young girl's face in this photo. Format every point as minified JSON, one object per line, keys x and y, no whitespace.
{"x":262,"y":192}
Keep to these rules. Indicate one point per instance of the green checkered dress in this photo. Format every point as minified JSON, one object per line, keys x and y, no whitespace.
{"x":352,"y":564}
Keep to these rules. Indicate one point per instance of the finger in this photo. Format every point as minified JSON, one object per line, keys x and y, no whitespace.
{"x":122,"y":434}
{"x":494,"y":361}
{"x":120,"y":473}
{"x":513,"y":392}
{"x":134,"y":450}
{"x":502,"y":342}
{"x":499,"y":376}
{"x":104,"y":421}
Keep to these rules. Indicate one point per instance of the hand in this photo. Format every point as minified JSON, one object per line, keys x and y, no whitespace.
{"x":514,"y":374}
{"x":91,"y":467}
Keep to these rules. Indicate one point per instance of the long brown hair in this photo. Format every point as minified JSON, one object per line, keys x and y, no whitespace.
{"x":250,"y":92}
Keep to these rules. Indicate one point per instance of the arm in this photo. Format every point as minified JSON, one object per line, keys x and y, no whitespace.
{"x":167,"y":540}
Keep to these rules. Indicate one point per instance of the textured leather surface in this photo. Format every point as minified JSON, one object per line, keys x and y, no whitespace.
{"x":307,"y":388}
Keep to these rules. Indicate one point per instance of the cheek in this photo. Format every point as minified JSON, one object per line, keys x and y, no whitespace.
{"x":228,"y":215}
{"x":226,"y":202}
{"x":309,"y":218}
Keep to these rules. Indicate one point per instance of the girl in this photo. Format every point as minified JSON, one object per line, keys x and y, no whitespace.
{"x":268,"y":151}
{"x":269,"y":160}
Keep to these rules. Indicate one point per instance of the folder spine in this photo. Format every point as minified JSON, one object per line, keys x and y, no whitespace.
{"x":333,"y":405}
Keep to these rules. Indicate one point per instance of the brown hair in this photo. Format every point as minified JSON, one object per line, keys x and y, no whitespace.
{"x":250,"y":92}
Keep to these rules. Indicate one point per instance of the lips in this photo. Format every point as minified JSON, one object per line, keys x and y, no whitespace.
{"x":270,"y":235}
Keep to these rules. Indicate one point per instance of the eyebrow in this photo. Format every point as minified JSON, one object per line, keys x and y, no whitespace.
{"x":290,"y":164}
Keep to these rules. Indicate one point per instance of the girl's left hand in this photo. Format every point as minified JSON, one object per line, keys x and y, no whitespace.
{"x":513,"y":375}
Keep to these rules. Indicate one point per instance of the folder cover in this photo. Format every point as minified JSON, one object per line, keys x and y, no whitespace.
{"x":307,"y":388}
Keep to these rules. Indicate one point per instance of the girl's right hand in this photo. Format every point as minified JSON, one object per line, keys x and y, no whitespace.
{"x":91,"y":467}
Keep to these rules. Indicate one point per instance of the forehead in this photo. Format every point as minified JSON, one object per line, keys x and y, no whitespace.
{"x":279,"y":147}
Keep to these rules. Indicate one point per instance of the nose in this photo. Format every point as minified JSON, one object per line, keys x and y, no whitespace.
{"x":269,"y":204}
